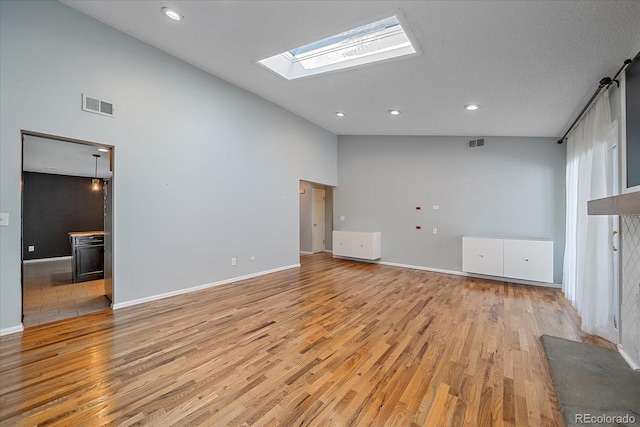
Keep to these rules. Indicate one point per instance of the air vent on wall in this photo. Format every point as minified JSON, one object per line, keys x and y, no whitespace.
{"x":94,"y":105}
{"x":473,"y":143}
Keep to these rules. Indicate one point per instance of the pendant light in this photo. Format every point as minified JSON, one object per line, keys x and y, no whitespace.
{"x":95,"y":182}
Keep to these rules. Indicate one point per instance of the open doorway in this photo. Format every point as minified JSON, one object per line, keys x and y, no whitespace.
{"x":67,"y":228}
{"x":316,"y":217}
{"x":317,"y":220}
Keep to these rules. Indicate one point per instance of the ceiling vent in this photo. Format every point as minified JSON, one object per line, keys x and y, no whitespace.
{"x":94,"y":105}
{"x":475,"y":143}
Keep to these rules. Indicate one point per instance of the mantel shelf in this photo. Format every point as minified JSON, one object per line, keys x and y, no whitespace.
{"x":624,"y":204}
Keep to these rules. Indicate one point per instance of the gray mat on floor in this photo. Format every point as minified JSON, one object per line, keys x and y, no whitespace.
{"x":593,"y":384}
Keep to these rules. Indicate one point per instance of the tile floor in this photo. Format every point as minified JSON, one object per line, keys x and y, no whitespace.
{"x":49,"y":294}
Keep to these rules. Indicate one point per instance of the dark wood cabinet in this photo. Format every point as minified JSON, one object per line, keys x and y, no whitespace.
{"x":87,"y":249}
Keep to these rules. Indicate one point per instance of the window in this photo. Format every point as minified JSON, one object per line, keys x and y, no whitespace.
{"x":380,"y":40}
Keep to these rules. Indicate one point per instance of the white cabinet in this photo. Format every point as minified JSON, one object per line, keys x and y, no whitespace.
{"x":512,"y":258}
{"x":355,"y":244}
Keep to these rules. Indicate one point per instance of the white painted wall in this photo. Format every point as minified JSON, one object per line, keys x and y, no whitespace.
{"x":204,"y":171}
{"x":511,"y":187}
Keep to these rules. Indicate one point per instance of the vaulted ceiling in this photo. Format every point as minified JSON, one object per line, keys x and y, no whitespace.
{"x":531,"y":65}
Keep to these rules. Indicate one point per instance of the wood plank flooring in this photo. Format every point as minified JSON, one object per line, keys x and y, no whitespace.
{"x":333,"y":343}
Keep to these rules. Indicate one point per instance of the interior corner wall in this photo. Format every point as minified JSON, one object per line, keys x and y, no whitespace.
{"x":511,"y":187}
{"x":204,"y":171}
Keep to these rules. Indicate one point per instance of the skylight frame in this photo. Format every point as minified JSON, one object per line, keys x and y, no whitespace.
{"x":302,"y":61}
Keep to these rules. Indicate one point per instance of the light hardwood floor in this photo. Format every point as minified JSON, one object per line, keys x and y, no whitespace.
{"x":333,"y":343}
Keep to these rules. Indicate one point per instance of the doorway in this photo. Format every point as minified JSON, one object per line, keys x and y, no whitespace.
{"x":67,"y":214}
{"x":316,"y":217}
{"x":317,"y":221}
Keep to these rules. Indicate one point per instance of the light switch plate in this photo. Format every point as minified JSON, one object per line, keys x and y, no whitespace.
{"x":341,"y":217}
{"x":4,"y":219}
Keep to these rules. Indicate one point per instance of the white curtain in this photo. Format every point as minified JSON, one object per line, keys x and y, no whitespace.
{"x":588,"y":260}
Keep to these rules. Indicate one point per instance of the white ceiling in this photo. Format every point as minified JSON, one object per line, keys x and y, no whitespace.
{"x":55,"y":157}
{"x":531,"y":65}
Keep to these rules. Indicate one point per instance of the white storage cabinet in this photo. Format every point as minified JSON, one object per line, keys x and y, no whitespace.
{"x":527,"y":259}
{"x":356,"y":244}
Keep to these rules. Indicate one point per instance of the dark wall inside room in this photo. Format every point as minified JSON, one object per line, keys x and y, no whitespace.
{"x":54,"y":205}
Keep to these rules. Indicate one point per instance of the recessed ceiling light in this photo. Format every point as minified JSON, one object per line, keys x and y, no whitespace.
{"x":172,"y":14}
{"x":104,"y":150}
{"x":471,"y":107}
{"x":340,"y":114}
{"x":394,"y":112}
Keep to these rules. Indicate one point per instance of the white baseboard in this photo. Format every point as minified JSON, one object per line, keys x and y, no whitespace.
{"x":119,"y":305}
{"x":628,"y":358}
{"x":477,"y":276}
{"x":59,"y":258}
{"x":458,"y":273}
{"x":306,"y":253}
{"x":11,"y":330}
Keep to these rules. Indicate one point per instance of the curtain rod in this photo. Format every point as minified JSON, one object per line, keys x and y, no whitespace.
{"x":605,"y":82}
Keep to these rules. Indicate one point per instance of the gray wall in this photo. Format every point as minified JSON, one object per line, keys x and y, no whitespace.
{"x":218,"y":166}
{"x":512,"y":187}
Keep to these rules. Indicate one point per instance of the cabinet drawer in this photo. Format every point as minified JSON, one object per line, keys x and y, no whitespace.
{"x":365,"y":245}
{"x":529,"y":260}
{"x":89,"y":240}
{"x":482,"y":256}
{"x":341,"y":243}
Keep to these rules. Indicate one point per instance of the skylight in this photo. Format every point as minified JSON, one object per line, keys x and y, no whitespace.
{"x":380,"y":40}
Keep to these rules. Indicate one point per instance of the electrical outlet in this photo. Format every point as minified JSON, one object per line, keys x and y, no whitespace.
{"x":435,"y":231}
{"x":233,"y":261}
{"x":253,"y":258}
{"x":31,"y":248}
{"x":436,"y":207}
{"x":341,"y":217}
{"x":4,"y":219}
